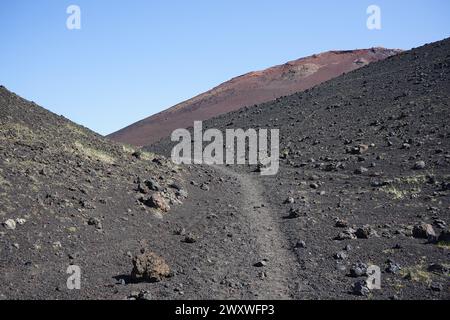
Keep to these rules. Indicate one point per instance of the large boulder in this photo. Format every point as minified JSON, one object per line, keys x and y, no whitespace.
{"x":147,"y":266}
{"x":157,"y":201}
{"x":424,"y":231}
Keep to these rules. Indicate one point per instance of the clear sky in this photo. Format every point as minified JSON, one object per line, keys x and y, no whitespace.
{"x":131,"y":59}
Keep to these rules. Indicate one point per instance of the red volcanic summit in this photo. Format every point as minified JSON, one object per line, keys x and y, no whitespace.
{"x":249,"y":89}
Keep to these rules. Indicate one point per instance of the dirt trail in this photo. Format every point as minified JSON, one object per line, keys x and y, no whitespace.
{"x":281,"y":263}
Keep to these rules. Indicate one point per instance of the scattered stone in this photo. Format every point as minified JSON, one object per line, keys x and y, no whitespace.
{"x":424,"y":231}
{"x":204,"y":187}
{"x":57,"y":245}
{"x":419,"y":165}
{"x":260,"y":264}
{"x":340,"y":266}
{"x":190,"y":238}
{"x":441,"y":224}
{"x":259,"y":167}
{"x":361,"y":170}
{"x":392,"y":267}
{"x":294,"y":213}
{"x":87,"y":204}
{"x":21,"y":221}
{"x":176,"y":186}
{"x":445,"y":186}
{"x":444,"y":236}
{"x":358,"y":270}
{"x":313,"y":185}
{"x":9,"y":224}
{"x":138,"y":154}
{"x":95,"y":222}
{"x":379,"y":184}
{"x":313,"y":177}
{"x":289,"y":200}
{"x":147,"y":266}
{"x":360,"y":149}
{"x":365,"y":232}
{"x":153,"y":185}
{"x":181,"y":193}
{"x":300,"y":244}
{"x":180,"y":231}
{"x":406,"y":146}
{"x":73,"y":256}
{"x":340,"y":223}
{"x":347,"y":234}
{"x":439,"y":268}
{"x":157,"y":201}
{"x":434,"y":286}
{"x":141,"y":295}
{"x":341,"y":255}
{"x":360,"y":288}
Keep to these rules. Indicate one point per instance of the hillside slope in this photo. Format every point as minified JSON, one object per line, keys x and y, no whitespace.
{"x":364,"y":177}
{"x":69,"y":196}
{"x":364,"y":180}
{"x":249,"y":89}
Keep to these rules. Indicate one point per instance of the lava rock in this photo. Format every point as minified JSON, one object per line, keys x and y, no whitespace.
{"x":392,"y":267}
{"x":361,"y":170}
{"x":424,"y":231}
{"x":294,"y":213}
{"x":436,"y":287}
{"x":157,"y":201}
{"x":347,"y":234}
{"x":340,"y":223}
{"x":289,"y":200}
{"x":419,"y":165}
{"x":141,"y":295}
{"x":360,"y":288}
{"x":439,"y":268}
{"x":360,"y":149}
{"x":441,"y":224}
{"x":341,"y":255}
{"x":181,"y":193}
{"x":95,"y":222}
{"x":190,"y":238}
{"x":313,"y":185}
{"x":147,"y":266}
{"x":444,"y":236}
{"x":153,"y":185}
{"x":176,"y":186}
{"x":10,"y":224}
{"x":260,"y":264}
{"x":365,"y":232}
{"x":358,"y":270}
{"x":300,"y":244}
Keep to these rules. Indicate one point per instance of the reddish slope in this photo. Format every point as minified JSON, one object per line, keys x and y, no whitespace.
{"x":249,"y":89}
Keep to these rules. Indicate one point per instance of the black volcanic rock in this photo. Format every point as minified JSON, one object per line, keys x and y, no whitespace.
{"x":51,"y":167}
{"x":65,"y":190}
{"x":389,"y":118}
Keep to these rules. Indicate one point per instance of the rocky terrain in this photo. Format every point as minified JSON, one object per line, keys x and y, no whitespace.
{"x":364,"y":180}
{"x":68,"y":196}
{"x":250,"y":89}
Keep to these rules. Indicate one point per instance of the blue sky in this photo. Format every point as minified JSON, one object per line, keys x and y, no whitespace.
{"x":134,"y":58}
